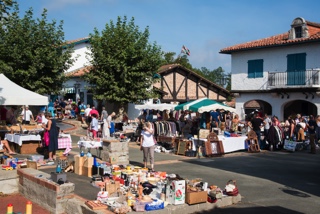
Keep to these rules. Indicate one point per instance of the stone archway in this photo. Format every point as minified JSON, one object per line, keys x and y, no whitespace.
{"x":305,"y":108}
{"x":260,"y":105}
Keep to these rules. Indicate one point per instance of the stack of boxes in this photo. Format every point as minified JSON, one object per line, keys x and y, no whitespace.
{"x":115,"y":152}
{"x":83,"y":165}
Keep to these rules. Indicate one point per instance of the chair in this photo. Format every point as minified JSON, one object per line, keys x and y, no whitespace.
{"x":252,"y":142}
{"x":213,"y":146}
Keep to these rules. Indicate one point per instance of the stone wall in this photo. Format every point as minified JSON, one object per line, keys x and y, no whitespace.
{"x":116,"y":152}
{"x":34,"y":185}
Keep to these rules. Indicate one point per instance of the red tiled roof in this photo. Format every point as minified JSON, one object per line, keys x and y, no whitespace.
{"x":78,"y":72}
{"x":278,"y":40}
{"x":77,"y":40}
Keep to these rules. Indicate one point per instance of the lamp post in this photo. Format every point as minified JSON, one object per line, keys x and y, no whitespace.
{"x":76,"y":87}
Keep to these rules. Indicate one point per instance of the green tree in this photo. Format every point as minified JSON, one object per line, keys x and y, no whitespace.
{"x":217,"y":75}
{"x":5,"y":6}
{"x":123,"y":63}
{"x":168,"y":58}
{"x":32,"y":52}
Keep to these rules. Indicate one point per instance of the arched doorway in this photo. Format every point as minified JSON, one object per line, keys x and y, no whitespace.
{"x":260,"y":105}
{"x":302,"y":107}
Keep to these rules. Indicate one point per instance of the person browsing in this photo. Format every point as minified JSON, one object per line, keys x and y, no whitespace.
{"x":26,"y":116}
{"x":147,"y":145}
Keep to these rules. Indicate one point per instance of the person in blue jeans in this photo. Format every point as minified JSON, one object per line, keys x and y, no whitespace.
{"x":256,"y":125}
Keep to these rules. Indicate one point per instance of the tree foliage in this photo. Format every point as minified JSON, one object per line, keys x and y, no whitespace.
{"x":123,"y":62}
{"x":183,"y":60}
{"x":5,"y":6}
{"x":32,"y":52}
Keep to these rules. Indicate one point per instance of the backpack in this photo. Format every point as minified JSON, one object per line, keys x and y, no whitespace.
{"x":82,"y":108}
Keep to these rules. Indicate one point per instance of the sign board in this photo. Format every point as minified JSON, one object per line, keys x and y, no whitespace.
{"x":203,"y":133}
{"x":290,"y":145}
{"x":182,"y":147}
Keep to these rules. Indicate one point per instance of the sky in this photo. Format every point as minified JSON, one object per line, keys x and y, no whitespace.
{"x":203,"y":26}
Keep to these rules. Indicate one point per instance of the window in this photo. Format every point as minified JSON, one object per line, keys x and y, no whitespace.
{"x":298,"y":31}
{"x":255,"y":68}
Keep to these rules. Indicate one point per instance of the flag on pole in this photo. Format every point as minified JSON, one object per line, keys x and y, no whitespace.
{"x":185,"y":50}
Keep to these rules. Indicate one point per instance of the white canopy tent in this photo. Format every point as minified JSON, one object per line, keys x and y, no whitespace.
{"x":216,"y":106}
{"x":159,"y":107}
{"x":13,"y":94}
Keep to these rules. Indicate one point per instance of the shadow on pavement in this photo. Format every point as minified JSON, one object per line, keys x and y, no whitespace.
{"x":299,"y":169}
{"x":260,"y":210}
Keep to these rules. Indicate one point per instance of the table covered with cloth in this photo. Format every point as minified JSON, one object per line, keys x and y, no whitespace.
{"x":19,"y":138}
{"x":230,"y":144}
{"x":89,"y":144}
{"x":64,"y":141}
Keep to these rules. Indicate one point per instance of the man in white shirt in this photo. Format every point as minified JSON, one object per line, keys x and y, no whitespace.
{"x":26,"y":116}
{"x":87,"y":114}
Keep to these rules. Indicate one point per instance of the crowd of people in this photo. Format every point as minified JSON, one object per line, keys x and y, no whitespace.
{"x":271,"y":133}
{"x":59,"y":109}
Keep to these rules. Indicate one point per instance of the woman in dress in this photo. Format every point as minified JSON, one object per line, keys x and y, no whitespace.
{"x":147,"y":145}
{"x":52,"y":128}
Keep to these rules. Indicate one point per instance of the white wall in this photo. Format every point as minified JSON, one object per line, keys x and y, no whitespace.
{"x":276,"y":102}
{"x":274,"y":60}
{"x":80,"y":55}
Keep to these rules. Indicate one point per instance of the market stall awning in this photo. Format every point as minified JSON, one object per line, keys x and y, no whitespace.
{"x":13,"y":94}
{"x":185,"y":106}
{"x":208,"y":105}
{"x":216,"y":106}
{"x":159,"y":107}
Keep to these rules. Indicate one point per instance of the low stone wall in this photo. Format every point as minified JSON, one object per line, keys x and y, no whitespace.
{"x":44,"y":192}
{"x":115,"y":152}
{"x":58,"y":199}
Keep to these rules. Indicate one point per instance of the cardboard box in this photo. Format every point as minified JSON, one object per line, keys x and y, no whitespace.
{"x":196,"y":197}
{"x":88,"y":161}
{"x":87,"y":171}
{"x":29,"y":147}
{"x":176,"y":192}
{"x":78,"y":164}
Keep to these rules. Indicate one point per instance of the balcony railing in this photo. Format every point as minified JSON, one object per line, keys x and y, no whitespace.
{"x":306,"y":78}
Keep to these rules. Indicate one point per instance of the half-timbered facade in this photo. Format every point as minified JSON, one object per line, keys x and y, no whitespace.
{"x":182,"y":84}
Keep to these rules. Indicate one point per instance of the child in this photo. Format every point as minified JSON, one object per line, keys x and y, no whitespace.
{"x":38,"y":119}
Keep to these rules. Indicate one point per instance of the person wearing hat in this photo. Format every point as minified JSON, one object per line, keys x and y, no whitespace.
{"x":26,"y":115}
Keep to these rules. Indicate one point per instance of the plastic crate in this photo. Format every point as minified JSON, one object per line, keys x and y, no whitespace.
{"x":139,"y":206}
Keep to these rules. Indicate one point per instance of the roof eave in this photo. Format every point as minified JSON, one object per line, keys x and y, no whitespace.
{"x":269,"y":46}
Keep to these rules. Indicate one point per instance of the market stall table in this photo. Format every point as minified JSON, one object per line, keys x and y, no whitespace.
{"x":230,"y":144}
{"x":28,"y":143}
{"x":88,"y":144}
{"x":65,"y":142}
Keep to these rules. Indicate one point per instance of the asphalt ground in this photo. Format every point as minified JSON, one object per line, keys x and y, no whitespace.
{"x":269,"y":182}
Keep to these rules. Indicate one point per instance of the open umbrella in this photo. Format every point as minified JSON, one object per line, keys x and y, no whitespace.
{"x":216,"y":106}
{"x":208,"y":105}
{"x":185,"y":106}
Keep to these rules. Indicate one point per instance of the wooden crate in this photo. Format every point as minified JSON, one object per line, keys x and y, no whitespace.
{"x":29,"y":147}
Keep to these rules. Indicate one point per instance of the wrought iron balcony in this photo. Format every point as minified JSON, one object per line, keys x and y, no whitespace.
{"x":293,"y":79}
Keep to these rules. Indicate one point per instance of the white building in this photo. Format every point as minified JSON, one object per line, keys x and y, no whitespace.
{"x":280,"y":73}
{"x":75,"y":88}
